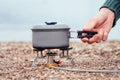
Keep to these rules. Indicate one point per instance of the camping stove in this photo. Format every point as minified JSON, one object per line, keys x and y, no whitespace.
{"x":54,"y":36}
{"x":51,"y":56}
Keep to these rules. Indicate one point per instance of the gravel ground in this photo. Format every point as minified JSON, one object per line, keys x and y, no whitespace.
{"x":16,"y":59}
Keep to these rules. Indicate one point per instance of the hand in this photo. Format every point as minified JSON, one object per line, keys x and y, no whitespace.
{"x":102,"y":23}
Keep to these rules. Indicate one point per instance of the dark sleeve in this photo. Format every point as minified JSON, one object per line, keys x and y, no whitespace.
{"x":113,"y":5}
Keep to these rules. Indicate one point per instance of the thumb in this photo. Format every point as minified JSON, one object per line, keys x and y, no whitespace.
{"x":90,"y":25}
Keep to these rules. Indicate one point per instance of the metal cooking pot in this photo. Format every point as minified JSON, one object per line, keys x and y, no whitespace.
{"x":50,"y":36}
{"x":54,"y":36}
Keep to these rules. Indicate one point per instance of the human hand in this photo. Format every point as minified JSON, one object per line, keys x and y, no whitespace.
{"x":102,"y":23}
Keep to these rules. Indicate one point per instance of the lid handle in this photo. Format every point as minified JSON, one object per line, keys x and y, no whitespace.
{"x":50,"y":23}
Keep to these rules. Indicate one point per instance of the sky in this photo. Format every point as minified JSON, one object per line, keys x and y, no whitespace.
{"x":17,"y":17}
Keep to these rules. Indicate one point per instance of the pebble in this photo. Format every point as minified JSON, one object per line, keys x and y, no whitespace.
{"x":31,"y":78}
{"x":87,"y":57}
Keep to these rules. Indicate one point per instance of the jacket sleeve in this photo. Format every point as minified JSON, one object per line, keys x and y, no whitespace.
{"x":113,"y":5}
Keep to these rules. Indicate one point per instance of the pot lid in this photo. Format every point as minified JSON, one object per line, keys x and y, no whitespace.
{"x":51,"y":25}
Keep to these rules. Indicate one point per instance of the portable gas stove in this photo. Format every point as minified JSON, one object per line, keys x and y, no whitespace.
{"x":54,"y":36}
{"x":51,"y":61}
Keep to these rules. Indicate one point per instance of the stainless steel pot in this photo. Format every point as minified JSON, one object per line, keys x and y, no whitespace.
{"x":54,"y":36}
{"x":50,"y":36}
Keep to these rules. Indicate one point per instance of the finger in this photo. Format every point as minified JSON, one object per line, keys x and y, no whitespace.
{"x":94,"y":39}
{"x":97,"y":38}
{"x":100,"y":35}
{"x":105,"y":36}
{"x":90,"y":25}
{"x":85,"y":39}
{"x":106,"y":31}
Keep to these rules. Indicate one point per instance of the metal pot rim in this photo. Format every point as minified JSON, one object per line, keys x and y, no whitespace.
{"x":50,"y":27}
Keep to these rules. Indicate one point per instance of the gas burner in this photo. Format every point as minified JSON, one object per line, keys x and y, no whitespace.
{"x":51,"y":61}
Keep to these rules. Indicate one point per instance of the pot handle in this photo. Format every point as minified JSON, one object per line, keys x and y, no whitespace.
{"x":69,"y":35}
{"x":88,"y":34}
